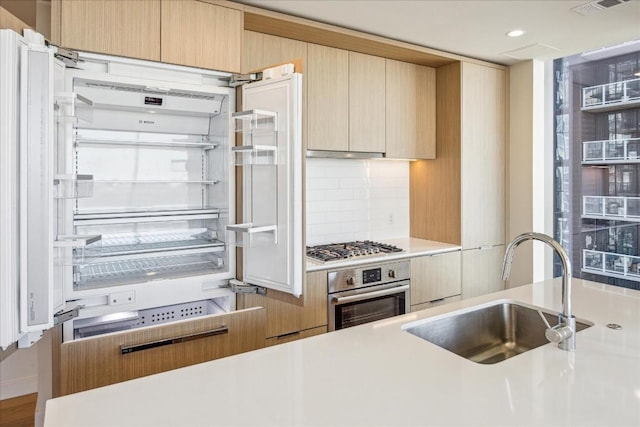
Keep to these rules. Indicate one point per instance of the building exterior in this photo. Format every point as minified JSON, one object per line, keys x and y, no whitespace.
{"x":597,"y":164}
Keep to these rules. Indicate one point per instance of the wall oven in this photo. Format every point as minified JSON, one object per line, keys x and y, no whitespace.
{"x":366,"y":294}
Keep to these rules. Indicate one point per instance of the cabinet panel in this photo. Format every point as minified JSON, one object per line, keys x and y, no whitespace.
{"x":125,"y":27}
{"x":296,"y":336}
{"x":410,"y":111}
{"x":483,"y":156}
{"x":262,"y":50}
{"x":201,"y":35}
{"x":98,"y":361}
{"x":482,"y":271}
{"x":435,"y":277}
{"x":327,"y":73}
{"x":366,"y":103}
{"x":287,"y":314}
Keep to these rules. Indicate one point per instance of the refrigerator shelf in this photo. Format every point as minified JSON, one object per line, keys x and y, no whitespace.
{"x":256,"y":155}
{"x":115,"y":273}
{"x":111,"y":248}
{"x":147,"y":215}
{"x":142,"y":143}
{"x":151,"y":181}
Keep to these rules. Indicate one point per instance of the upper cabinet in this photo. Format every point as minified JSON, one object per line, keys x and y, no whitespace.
{"x":327,"y":73}
{"x":125,"y":27}
{"x":366,"y":103}
{"x":410,"y":111}
{"x":201,"y":35}
{"x":262,"y":50}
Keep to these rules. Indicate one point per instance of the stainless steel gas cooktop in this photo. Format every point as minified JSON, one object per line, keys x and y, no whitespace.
{"x":347,"y":250}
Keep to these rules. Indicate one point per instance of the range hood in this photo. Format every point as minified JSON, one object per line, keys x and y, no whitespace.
{"x":328,"y":154}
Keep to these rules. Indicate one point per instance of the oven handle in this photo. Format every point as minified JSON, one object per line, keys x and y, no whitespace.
{"x":369,"y":295}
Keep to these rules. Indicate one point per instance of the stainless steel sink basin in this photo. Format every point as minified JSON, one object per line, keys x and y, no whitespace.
{"x":489,"y":334}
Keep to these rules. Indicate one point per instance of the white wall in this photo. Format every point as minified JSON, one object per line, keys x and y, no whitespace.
{"x":529,"y":178}
{"x":350,"y":199}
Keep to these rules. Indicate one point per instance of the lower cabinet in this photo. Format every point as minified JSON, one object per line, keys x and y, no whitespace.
{"x":287,"y":316}
{"x":435,"y":279}
{"x":482,"y":271}
{"x":98,"y":361}
{"x":296,"y":335}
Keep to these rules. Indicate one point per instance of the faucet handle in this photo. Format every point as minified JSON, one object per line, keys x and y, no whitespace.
{"x":558,"y":333}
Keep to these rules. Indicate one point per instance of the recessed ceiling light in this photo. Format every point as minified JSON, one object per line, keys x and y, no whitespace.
{"x":516,"y":33}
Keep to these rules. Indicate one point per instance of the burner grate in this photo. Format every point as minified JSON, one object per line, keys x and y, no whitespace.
{"x":339,"y":251}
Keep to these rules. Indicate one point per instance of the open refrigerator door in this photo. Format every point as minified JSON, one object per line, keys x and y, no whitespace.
{"x":271,"y":161}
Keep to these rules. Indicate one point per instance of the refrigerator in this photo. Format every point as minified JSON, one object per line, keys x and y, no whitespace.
{"x":118,"y":190}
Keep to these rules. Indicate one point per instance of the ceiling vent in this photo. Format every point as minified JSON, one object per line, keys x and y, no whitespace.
{"x":595,"y":7}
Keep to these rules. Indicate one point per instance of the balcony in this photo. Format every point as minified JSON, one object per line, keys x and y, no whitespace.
{"x":611,"y":151}
{"x":611,"y":96}
{"x":611,"y":264}
{"x":611,"y":207}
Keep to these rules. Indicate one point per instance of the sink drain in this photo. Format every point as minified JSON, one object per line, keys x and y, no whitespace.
{"x":614,"y":326}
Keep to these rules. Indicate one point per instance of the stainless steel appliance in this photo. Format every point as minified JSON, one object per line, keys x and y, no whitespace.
{"x":340,"y":251}
{"x":369,"y":293}
{"x":117,"y":189}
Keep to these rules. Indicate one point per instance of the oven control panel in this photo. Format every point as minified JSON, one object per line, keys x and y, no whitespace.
{"x":377,"y":274}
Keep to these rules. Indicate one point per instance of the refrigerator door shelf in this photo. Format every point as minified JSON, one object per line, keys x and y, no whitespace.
{"x":73,"y":186}
{"x":256,"y":155}
{"x":248,"y":235}
{"x":73,"y":108}
{"x":256,"y":121}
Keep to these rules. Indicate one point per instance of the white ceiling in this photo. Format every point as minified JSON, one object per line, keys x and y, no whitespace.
{"x":477,"y":28}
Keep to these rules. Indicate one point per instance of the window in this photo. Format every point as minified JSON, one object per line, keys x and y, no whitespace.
{"x":597,"y":166}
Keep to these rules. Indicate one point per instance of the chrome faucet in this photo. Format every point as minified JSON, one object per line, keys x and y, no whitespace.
{"x":564,"y":333}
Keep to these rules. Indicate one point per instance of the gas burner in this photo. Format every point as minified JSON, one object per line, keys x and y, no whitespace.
{"x":338,"y":251}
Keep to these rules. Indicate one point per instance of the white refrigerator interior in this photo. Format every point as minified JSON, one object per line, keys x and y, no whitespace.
{"x":118,"y":191}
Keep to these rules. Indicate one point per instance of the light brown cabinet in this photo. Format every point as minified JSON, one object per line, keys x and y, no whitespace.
{"x":366,"y":103}
{"x":327,"y":74}
{"x":102,"y":360}
{"x":434,"y":278}
{"x":201,"y":35}
{"x":262,"y":50}
{"x":483,"y":156}
{"x":482,"y":271}
{"x":125,"y":27}
{"x":410,"y":111}
{"x":287,"y":315}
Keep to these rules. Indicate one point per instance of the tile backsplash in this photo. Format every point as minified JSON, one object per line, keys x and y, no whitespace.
{"x":350,"y":199}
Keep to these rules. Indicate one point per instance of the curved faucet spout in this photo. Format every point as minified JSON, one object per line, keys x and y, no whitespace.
{"x":566,"y":318}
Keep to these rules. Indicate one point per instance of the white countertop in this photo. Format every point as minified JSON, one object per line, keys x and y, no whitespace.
{"x":411,"y":248}
{"x":377,"y":375}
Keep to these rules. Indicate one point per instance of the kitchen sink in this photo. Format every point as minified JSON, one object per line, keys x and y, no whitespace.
{"x":489,"y":334}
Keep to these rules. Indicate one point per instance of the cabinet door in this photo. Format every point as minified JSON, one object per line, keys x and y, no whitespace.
{"x":482,"y":271}
{"x":287,"y":315}
{"x":435,"y":277}
{"x":98,"y":361}
{"x":201,"y":35}
{"x":262,"y":50}
{"x":327,"y":72}
{"x":483,"y":156}
{"x":411,"y":111}
{"x":366,"y":103}
{"x":125,"y":27}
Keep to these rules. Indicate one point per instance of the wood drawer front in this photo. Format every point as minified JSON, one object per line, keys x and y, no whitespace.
{"x":95,"y":362}
{"x":287,"y":314}
{"x":435,"y":303}
{"x":296,"y":336}
{"x":435,"y":277}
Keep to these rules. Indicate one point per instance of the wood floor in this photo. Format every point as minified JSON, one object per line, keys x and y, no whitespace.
{"x":19,"y":411}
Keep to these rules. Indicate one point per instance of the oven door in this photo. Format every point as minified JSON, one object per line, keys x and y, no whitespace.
{"x":351,"y":308}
